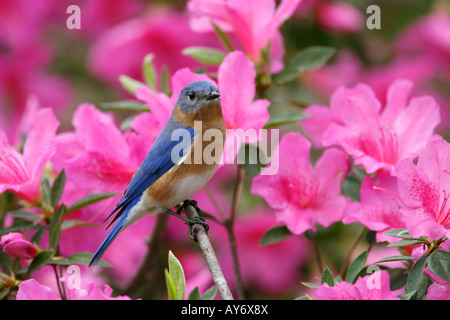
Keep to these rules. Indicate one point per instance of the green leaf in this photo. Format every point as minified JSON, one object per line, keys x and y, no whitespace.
{"x":149,"y":71}
{"x":205,"y":55}
{"x":286,"y":75}
{"x":399,"y":233}
{"x":170,"y":284}
{"x":177,"y":274}
{"x":355,"y":267}
{"x":22,"y":214}
{"x":404,"y":243}
{"x":45,"y":192}
{"x":311,"y":58}
{"x":284,"y":118}
{"x":124,"y":105}
{"x":130,"y":84}
{"x":307,"y":59}
{"x":327,"y":277}
{"x":165,"y":79}
{"x":395,"y":258}
{"x":439,"y":264}
{"x":67,"y":224}
{"x":274,"y":235}
{"x":5,"y":263}
{"x":40,"y":260}
{"x":195,"y":294}
{"x":210,"y":294}
{"x":58,"y":188}
{"x":54,"y":228}
{"x":252,"y":159}
{"x":417,"y":281}
{"x":311,"y":285}
{"x":85,"y":258}
{"x":88,"y":200}
{"x":223,"y":37}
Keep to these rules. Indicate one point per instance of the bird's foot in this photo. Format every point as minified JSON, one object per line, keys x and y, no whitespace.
{"x":186,"y":203}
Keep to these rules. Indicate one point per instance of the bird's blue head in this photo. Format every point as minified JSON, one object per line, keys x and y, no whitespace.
{"x":197,"y":95}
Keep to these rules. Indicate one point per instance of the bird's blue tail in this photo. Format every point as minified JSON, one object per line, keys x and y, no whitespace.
{"x":108,"y":240}
{"x":121,"y":219}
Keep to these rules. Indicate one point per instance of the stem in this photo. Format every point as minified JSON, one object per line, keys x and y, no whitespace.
{"x":209,"y":256}
{"x":352,"y":248}
{"x":229,"y":223}
{"x":146,"y":272}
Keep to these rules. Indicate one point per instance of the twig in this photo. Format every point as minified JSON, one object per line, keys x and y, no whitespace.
{"x":210,"y":256}
{"x":229,"y":223}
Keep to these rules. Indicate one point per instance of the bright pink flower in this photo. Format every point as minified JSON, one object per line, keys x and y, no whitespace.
{"x":376,"y":137}
{"x":32,"y":290}
{"x":236,"y":83}
{"x":303,"y":195}
{"x":16,"y":245}
{"x":255,"y":23}
{"x":424,"y":189}
{"x":21,"y":173}
{"x":379,"y":208}
{"x":339,"y":16}
{"x":161,"y":32}
{"x":371,"y":287}
{"x":95,"y":156}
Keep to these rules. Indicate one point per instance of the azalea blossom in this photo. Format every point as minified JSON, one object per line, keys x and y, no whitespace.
{"x":22,"y":172}
{"x":379,"y":207}
{"x":300,"y":194}
{"x":370,"y":287}
{"x":255,"y":23}
{"x":32,"y":290}
{"x":425,"y":188}
{"x":377,"y":138}
{"x":15,"y":244}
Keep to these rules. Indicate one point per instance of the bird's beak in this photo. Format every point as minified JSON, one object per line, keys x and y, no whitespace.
{"x":213,"y":95}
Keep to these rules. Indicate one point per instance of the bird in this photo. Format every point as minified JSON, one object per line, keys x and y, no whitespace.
{"x":167,"y":178}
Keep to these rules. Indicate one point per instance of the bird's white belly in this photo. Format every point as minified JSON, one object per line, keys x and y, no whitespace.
{"x":188,"y":186}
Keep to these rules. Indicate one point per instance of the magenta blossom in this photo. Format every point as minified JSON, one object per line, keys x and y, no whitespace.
{"x":16,"y":245}
{"x":425,"y":188}
{"x":300,"y":194}
{"x":255,"y":23}
{"x":21,"y":173}
{"x":32,"y":290}
{"x":379,"y":208}
{"x":339,"y":16}
{"x":376,"y":137}
{"x":370,"y":287}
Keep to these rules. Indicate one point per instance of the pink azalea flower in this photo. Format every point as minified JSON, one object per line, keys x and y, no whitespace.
{"x":236,"y":83}
{"x":424,"y":188}
{"x":21,"y":173}
{"x":376,"y":137}
{"x":254,"y":33}
{"x":339,"y":16}
{"x":365,"y":288}
{"x":300,"y":194}
{"x":32,"y":290}
{"x":95,"y":155}
{"x":161,"y":32}
{"x":379,"y":208}
{"x":16,"y":245}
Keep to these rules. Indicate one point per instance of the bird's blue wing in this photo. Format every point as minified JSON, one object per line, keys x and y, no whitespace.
{"x":157,"y":162}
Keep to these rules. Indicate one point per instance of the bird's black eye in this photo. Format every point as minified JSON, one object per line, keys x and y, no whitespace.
{"x":191,"y":95}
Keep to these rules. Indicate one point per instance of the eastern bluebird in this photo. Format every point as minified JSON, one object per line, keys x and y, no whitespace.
{"x":167,"y":178}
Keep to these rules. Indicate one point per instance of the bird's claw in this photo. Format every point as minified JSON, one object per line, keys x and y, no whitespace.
{"x":189,"y":202}
{"x":193,"y":231}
